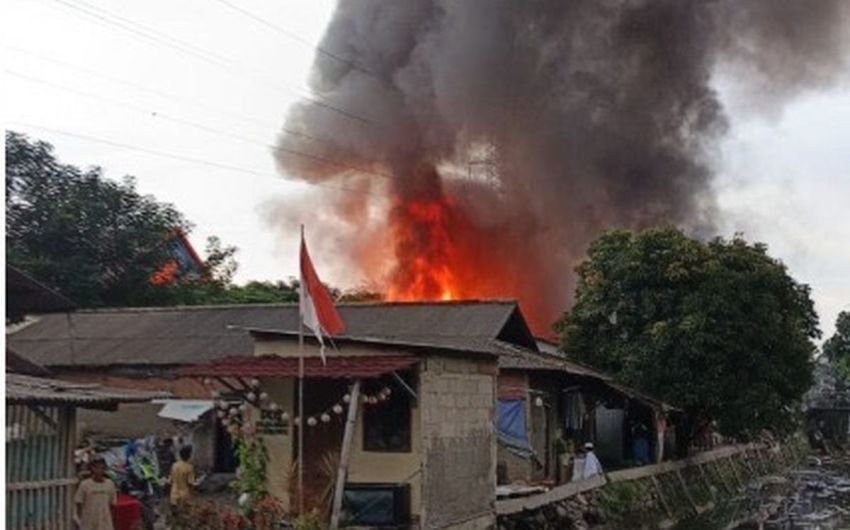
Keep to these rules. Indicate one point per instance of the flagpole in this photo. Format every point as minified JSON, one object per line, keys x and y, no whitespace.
{"x":301,"y":420}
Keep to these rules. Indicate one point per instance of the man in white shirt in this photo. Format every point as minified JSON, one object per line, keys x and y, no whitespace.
{"x":592,"y":467}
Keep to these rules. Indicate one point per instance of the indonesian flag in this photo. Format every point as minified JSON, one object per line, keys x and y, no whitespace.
{"x":316,"y":307}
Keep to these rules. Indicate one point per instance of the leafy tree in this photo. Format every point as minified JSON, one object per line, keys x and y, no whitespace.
{"x":101,"y":243}
{"x":837,"y":347}
{"x":96,"y":240}
{"x":719,"y":329}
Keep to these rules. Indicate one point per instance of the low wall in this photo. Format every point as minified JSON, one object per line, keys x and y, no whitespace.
{"x":654,"y":496}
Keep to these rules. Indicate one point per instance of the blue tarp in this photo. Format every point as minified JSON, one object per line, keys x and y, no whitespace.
{"x":511,"y":425}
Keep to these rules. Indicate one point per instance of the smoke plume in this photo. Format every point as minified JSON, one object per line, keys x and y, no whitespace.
{"x":485,"y":143}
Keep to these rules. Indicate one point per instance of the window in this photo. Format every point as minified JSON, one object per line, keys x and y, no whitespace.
{"x":386,"y":424}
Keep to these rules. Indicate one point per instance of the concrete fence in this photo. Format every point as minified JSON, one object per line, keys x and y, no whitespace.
{"x":655,"y":496}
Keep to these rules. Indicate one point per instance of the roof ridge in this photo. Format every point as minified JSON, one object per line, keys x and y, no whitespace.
{"x":204,"y":307}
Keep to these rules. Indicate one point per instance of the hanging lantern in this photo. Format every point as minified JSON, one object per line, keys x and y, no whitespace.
{"x":222,"y":414}
{"x":225,"y":423}
{"x":222,"y":405}
{"x":255,"y":383}
{"x":337,"y":409}
{"x":284,"y":416}
{"x":234,"y":411}
{"x":325,"y":417}
{"x":373,"y":400}
{"x":388,"y":391}
{"x":311,"y":421}
{"x":274,"y":406}
{"x":346,"y":398}
{"x":263,"y":396}
{"x":251,"y":397}
{"x":296,"y":421}
{"x":243,"y":408}
{"x":215,"y":394}
{"x":538,"y":401}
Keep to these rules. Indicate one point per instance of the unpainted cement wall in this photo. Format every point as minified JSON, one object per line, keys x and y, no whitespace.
{"x":457,"y":403}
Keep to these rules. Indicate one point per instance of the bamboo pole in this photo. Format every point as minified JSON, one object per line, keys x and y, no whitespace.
{"x":345,"y":454}
{"x":301,"y":419}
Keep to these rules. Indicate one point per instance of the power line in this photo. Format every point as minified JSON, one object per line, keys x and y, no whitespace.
{"x":297,"y":38}
{"x":152,"y":35}
{"x":182,"y":158}
{"x":189,"y":123}
{"x":179,"y":99}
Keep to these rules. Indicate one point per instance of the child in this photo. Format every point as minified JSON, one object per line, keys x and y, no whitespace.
{"x":182,"y":477}
{"x":95,"y":498}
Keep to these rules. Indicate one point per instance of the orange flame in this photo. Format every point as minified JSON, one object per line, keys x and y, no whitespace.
{"x":425,"y":252}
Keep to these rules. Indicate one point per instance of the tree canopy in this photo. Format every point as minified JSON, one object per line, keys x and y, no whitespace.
{"x":719,"y":328}
{"x":837,"y":347}
{"x":94,"y":239}
{"x":102,"y":243}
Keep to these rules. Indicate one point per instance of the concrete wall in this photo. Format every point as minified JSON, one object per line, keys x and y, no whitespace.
{"x":457,"y":401}
{"x":364,"y":466}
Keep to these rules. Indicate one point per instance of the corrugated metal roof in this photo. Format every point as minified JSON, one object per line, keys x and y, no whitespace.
{"x":335,"y":367}
{"x":518,"y":358}
{"x":41,"y":390}
{"x":191,"y":335}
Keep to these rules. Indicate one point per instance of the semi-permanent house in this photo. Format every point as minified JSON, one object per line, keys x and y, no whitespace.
{"x":428,"y":438}
{"x":423,"y":449}
{"x":548,"y":407}
{"x":429,"y":428}
{"x":41,"y":420}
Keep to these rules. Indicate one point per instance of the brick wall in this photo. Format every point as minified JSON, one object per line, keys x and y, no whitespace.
{"x":457,"y":402}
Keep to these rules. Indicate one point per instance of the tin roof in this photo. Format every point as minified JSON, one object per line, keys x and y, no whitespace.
{"x":25,"y":389}
{"x":335,"y":367}
{"x":191,"y":335}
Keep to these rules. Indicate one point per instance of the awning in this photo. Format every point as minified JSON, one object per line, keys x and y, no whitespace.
{"x":336,"y":367}
{"x":187,"y":410}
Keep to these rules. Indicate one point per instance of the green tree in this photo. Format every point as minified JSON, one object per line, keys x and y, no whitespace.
{"x":720,"y":329}
{"x":837,"y":347}
{"x":94,"y":239}
{"x":99,"y":241}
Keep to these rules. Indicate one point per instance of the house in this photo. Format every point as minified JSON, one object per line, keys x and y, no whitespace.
{"x":548,"y":404}
{"x":41,"y":421}
{"x":40,"y":441}
{"x":426,"y":432}
{"x":423,"y":449}
{"x":138,"y":349}
{"x":431,"y":372}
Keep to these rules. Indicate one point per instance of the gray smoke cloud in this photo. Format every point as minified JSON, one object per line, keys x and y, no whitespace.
{"x":542,"y":122}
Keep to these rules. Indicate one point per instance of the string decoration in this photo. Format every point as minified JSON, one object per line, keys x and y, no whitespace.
{"x":232,"y":412}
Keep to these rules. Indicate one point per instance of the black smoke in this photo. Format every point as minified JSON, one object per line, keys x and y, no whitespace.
{"x":547,"y":121}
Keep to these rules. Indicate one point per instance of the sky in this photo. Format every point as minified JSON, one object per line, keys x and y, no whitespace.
{"x":189,"y":96}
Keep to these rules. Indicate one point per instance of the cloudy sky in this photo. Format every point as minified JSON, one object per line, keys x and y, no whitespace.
{"x":188,"y":96}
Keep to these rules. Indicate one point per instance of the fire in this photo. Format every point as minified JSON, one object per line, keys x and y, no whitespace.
{"x":443,"y":249}
{"x":425,"y":252}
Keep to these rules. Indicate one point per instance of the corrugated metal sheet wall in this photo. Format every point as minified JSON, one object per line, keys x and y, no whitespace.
{"x":39,"y":467}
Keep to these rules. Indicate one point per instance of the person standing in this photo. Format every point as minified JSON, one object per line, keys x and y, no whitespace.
{"x":182,"y":478}
{"x":95,"y":499}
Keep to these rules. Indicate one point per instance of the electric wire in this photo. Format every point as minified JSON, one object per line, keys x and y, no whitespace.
{"x":202,"y":127}
{"x":157,"y":37}
{"x":179,"y":157}
{"x":297,"y":38}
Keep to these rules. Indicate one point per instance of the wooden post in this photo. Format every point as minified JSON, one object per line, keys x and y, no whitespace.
{"x":345,"y":454}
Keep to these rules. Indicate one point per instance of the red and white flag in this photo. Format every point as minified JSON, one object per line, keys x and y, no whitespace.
{"x":316,"y":306}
